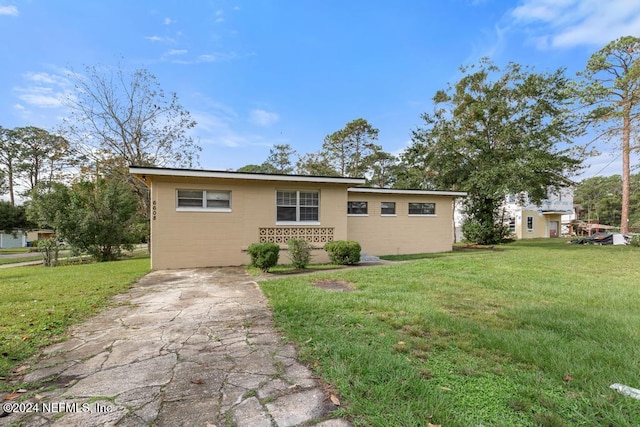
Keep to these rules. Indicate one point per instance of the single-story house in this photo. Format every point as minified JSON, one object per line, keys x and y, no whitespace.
{"x":17,"y":239}
{"x":202,"y":218}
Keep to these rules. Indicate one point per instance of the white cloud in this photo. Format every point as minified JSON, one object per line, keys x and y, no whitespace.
{"x":169,"y":21}
{"x":9,"y":10}
{"x":219,"y":16}
{"x":174,"y":52}
{"x":569,"y":23}
{"x":157,"y":39}
{"x":263,"y":118}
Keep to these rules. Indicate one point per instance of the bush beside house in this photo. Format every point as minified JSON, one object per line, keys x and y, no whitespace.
{"x":343,"y":252}
{"x":264,"y":255}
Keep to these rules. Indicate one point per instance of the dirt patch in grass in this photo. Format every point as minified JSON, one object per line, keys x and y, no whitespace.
{"x":338,"y":286}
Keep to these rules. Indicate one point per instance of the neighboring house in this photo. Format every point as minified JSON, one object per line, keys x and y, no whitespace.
{"x":550,"y":218}
{"x":35,"y":235}
{"x":13,"y":240}
{"x":209,"y":218}
{"x":526,"y":220}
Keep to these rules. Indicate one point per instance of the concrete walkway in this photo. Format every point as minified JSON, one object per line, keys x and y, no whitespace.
{"x":182,"y":348}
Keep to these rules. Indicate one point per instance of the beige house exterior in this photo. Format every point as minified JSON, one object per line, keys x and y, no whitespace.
{"x":209,"y":218}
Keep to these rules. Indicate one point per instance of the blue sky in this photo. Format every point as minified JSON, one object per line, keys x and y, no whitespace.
{"x":258,"y":73}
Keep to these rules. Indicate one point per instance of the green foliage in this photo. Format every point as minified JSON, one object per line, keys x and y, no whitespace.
{"x":349,"y":149}
{"x":343,"y":252}
{"x":299,"y":252}
{"x":98,"y":218}
{"x":601,"y":199}
{"x":480,"y":226}
{"x":635,"y":241}
{"x":49,"y":249}
{"x":497,"y":132}
{"x":12,"y":218}
{"x":264,"y":255}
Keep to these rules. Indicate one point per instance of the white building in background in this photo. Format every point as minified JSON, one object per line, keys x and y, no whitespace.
{"x":527,"y":220}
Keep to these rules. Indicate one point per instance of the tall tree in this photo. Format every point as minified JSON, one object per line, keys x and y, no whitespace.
{"x":9,"y":157}
{"x":613,"y":94}
{"x":130,"y":117}
{"x":497,"y":132}
{"x":384,"y":169}
{"x":279,"y":159}
{"x":315,"y":164}
{"x":349,"y":149}
{"x":120,"y":119}
{"x":43,"y":156}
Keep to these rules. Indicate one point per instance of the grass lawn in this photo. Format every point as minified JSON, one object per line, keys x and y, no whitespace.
{"x":532,"y":333}
{"x":35,"y":257}
{"x":38,"y":303}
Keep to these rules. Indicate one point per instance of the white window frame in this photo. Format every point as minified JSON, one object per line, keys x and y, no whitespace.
{"x":297,"y":221}
{"x":421,"y":203}
{"x":358,"y":201}
{"x":204,"y":199}
{"x":388,"y":214}
{"x":530,"y":218}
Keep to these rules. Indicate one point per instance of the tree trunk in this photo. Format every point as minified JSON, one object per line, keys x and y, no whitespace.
{"x":626,"y":178}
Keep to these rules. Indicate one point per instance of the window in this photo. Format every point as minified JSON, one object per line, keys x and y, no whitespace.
{"x":529,"y":223}
{"x":422,"y":208}
{"x":357,"y":208}
{"x":204,"y":199}
{"x":388,"y":208}
{"x":297,"y":206}
{"x":512,"y":225}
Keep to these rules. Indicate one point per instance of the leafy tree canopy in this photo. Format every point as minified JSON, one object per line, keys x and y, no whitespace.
{"x":497,"y":132}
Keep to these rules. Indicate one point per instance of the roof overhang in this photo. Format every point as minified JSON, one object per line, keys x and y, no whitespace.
{"x":556,"y":212}
{"x":410,"y":192}
{"x":144,"y":172}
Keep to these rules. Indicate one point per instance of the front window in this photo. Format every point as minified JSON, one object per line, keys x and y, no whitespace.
{"x":357,"y":208}
{"x":422,"y":208}
{"x":204,"y":199}
{"x":529,"y":223}
{"x":388,"y":208}
{"x":297,"y":206}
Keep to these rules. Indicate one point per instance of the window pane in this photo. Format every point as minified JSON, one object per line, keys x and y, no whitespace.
{"x":190,"y":198}
{"x":190,"y":194}
{"x":218,"y":195}
{"x":422,"y":208}
{"x":388,"y":208}
{"x":189,"y":203}
{"x":286,"y":213}
{"x":308,"y":199}
{"x":286,"y":198}
{"x":308,"y":213}
{"x":218,"y":204}
{"x":357,"y":208}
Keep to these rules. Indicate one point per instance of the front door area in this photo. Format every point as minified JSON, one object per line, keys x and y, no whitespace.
{"x":554,"y":228}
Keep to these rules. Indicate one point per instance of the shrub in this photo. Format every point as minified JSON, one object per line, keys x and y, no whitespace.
{"x":635,"y":240}
{"x":264,"y":255}
{"x":344,"y":252}
{"x":299,"y":252}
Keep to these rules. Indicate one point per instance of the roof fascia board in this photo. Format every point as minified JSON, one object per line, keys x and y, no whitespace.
{"x":414,"y":192}
{"x":241,"y":175}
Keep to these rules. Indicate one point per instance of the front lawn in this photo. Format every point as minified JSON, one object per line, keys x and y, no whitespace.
{"x":38,"y":304}
{"x":532,"y":333}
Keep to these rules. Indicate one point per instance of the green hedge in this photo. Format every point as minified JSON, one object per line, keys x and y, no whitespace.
{"x":264,"y":255}
{"x":344,"y":252}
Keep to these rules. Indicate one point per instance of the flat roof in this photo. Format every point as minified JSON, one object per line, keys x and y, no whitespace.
{"x":414,"y":192}
{"x":198,"y":173}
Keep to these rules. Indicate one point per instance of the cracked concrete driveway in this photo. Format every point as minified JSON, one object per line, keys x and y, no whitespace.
{"x":183,"y":348}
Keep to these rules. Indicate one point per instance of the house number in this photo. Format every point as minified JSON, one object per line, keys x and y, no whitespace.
{"x":154,"y":210}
